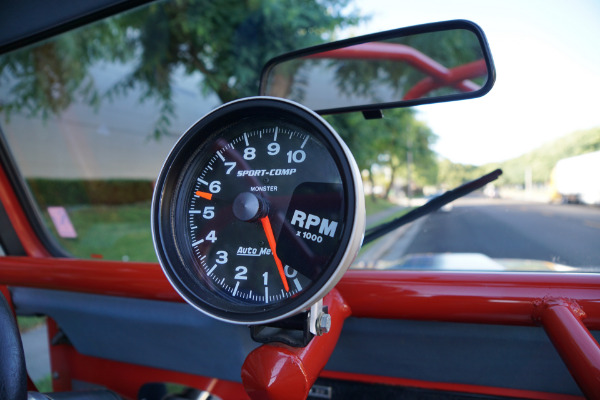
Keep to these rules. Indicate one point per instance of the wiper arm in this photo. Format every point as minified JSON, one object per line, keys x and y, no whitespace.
{"x":430,"y":206}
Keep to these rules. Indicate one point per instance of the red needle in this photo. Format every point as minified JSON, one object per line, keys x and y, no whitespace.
{"x":271,"y":239}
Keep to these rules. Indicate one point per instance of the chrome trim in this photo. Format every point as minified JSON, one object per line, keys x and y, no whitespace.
{"x":356,"y":234}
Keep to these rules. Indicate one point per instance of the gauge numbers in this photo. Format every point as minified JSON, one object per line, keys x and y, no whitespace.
{"x":259,"y":165}
{"x":255,"y":211}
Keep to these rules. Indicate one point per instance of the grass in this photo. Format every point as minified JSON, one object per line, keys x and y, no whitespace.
{"x":383,"y":220}
{"x":393,"y":216}
{"x":375,"y":206}
{"x":27,"y":323}
{"x":122,"y":232}
{"x":119,"y":232}
{"x":44,"y":385}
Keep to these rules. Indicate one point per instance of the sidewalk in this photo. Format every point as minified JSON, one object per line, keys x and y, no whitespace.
{"x":381,"y":215}
{"x":37,"y":352}
{"x":368,"y":257}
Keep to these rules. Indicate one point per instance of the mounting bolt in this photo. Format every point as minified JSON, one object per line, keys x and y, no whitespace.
{"x":323,"y":324}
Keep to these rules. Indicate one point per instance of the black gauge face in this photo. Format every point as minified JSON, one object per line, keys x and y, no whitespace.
{"x":257,"y":211}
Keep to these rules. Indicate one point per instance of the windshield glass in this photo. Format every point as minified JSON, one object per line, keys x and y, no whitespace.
{"x":90,"y":115}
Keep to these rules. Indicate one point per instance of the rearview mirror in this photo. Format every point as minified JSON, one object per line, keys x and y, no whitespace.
{"x":422,"y":64}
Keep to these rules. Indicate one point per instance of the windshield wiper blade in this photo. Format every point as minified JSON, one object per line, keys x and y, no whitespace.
{"x":430,"y":206}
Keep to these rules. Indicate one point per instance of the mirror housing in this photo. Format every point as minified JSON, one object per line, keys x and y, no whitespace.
{"x":431,"y":63}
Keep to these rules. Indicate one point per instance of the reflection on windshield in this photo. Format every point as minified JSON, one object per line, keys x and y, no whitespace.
{"x":90,"y":115}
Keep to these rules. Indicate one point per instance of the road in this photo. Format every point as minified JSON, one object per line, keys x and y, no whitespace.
{"x":498,"y":228}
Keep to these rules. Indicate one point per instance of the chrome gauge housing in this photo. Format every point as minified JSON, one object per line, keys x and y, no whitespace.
{"x":258,"y":211}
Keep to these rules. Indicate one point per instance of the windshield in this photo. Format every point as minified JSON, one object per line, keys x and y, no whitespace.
{"x":90,"y":115}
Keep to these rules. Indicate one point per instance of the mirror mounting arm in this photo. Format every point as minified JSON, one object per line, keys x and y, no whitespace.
{"x":372,"y":114}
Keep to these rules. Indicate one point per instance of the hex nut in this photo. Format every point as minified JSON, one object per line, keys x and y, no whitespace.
{"x":323,"y":323}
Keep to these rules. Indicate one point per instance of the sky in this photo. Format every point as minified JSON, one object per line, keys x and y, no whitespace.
{"x":547,"y":58}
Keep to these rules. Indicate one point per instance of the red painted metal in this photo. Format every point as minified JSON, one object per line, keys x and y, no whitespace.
{"x":277,"y":371}
{"x":126,"y":379}
{"x":32,"y":245}
{"x":458,"y":74}
{"x":131,"y":279}
{"x":562,"y":320}
{"x":449,"y":387}
{"x":496,"y":298}
{"x":60,"y":364}
{"x":491,"y":298}
{"x":398,"y":52}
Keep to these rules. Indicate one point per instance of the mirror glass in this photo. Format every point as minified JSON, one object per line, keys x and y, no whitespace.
{"x":425,"y":67}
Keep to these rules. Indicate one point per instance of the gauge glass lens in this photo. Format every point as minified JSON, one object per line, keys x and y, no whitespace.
{"x":259,"y":213}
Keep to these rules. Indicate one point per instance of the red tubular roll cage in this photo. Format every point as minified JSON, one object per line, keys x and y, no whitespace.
{"x":566,"y":305}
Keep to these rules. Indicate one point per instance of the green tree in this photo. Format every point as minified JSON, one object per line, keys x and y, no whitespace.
{"x":45,"y":79}
{"x":227,"y":41}
{"x":541,"y":161}
{"x":360,"y":135}
{"x":451,"y":175}
{"x":405,"y":142}
{"x":388,"y":142}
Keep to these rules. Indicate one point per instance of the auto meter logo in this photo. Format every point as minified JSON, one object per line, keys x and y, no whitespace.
{"x":253,"y":251}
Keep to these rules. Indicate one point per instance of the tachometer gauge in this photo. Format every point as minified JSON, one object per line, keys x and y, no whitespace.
{"x":258,"y":211}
